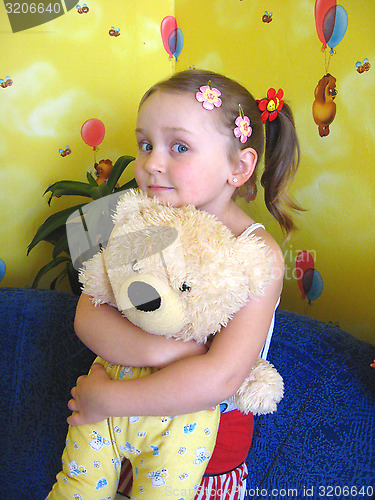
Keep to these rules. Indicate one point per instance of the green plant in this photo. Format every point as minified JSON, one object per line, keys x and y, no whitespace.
{"x":53,"y":229}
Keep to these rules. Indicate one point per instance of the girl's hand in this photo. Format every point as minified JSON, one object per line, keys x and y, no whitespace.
{"x":87,"y":404}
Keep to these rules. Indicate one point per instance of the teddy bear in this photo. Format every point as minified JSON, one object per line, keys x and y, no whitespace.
{"x":181,"y":273}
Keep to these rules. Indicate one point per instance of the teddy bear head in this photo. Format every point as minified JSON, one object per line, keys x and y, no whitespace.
{"x":177,"y":272}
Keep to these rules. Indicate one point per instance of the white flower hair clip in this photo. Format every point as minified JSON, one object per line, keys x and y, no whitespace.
{"x":243,"y":129}
{"x":209,"y":96}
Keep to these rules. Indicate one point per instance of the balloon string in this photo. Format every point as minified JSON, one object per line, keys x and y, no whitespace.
{"x":173,"y":65}
{"x":307,"y":308}
{"x":327,"y":61}
{"x":94,"y":149}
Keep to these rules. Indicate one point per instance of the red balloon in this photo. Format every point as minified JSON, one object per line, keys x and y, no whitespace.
{"x":168,"y":24}
{"x":92,"y":132}
{"x":321,"y":8}
{"x":304,"y":262}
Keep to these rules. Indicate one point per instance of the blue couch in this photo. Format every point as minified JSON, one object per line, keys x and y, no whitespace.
{"x":319,"y":444}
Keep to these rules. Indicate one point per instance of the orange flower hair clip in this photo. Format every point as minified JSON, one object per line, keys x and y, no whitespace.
{"x":209,"y":96}
{"x":243,"y":130}
{"x":271,"y":105}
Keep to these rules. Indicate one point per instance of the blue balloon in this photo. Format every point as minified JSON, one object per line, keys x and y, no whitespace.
{"x":2,"y":269}
{"x":316,"y":287}
{"x":179,"y":44}
{"x":176,"y":42}
{"x":336,"y":18}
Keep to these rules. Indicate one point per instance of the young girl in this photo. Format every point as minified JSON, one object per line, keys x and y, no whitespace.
{"x":200,"y":136}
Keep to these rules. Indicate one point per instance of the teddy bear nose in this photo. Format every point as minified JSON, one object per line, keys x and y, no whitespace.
{"x":143,"y":296}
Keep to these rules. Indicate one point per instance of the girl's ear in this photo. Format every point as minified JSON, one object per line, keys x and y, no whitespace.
{"x":244,"y":167}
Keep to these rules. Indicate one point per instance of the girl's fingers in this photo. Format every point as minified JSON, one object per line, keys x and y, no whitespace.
{"x":72,"y":405}
{"x":73,"y":419}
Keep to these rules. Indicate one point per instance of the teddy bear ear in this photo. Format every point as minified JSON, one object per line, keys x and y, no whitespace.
{"x":95,"y":282}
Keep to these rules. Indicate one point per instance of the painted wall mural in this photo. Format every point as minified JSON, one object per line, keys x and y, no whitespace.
{"x":173,"y":38}
{"x":71,"y":78}
{"x":331,"y":22}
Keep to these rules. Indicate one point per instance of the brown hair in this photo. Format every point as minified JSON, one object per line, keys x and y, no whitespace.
{"x":281,"y":146}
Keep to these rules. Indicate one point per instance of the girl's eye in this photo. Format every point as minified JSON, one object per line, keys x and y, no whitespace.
{"x":145,"y":146}
{"x":179,"y":148}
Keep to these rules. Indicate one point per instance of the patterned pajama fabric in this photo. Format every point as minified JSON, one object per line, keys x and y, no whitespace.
{"x":169,"y":455}
{"x":227,"y":486}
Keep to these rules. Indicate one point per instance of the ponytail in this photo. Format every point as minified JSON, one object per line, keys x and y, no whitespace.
{"x":281,"y":160}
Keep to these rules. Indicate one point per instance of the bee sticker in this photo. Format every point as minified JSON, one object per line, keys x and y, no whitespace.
{"x":114,"y":32}
{"x":65,"y":152}
{"x":8,"y":82}
{"x":362,"y":67}
{"x":82,"y":10}
{"x":267,"y":18}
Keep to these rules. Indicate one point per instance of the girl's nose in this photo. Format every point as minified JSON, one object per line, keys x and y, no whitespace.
{"x":154,"y":163}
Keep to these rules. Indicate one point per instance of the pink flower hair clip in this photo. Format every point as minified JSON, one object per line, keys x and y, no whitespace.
{"x":243,"y":130}
{"x":271,"y":105}
{"x":209,"y":96}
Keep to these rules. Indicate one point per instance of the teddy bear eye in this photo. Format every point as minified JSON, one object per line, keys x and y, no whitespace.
{"x":185,"y":288}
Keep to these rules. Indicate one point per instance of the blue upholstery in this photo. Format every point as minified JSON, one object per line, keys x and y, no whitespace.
{"x":41,"y":359}
{"x":321,"y":436}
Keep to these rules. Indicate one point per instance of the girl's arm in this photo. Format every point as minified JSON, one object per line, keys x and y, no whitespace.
{"x":105,"y":331}
{"x":191,"y":384}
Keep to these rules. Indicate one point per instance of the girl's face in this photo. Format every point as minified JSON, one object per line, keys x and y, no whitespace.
{"x":182,"y":156}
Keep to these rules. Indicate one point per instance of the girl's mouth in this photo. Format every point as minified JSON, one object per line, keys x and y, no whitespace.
{"x":155,"y":187}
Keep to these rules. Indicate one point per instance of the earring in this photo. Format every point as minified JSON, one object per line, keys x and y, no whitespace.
{"x":235,"y":179}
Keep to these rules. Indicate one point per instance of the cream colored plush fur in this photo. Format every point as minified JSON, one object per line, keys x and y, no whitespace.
{"x":180,"y":272}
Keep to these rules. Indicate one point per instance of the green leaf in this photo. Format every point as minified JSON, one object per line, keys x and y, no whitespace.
{"x":118,"y":168}
{"x":96,"y":192}
{"x":129,"y":185}
{"x":53,"y":222}
{"x":59,"y":277}
{"x":61,"y":245}
{"x":48,"y":267}
{"x":75,"y":188}
{"x":53,"y":230}
{"x":73,"y":279}
{"x":54,"y":237}
{"x":103,"y":189}
{"x":91,"y":179}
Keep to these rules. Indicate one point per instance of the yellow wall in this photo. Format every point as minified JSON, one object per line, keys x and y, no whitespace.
{"x":70,"y":69}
